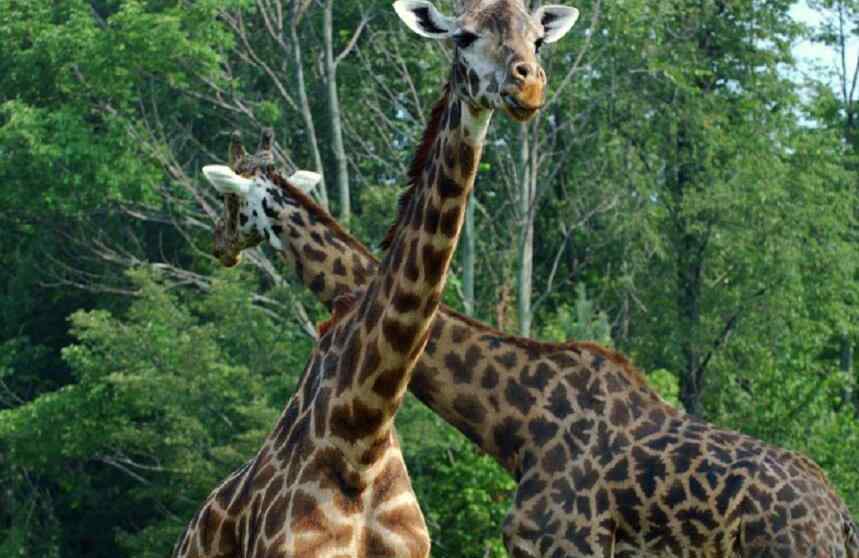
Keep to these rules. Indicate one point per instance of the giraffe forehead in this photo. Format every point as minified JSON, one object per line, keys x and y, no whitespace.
{"x":506,"y":18}
{"x":261,"y":190}
{"x":507,"y":33}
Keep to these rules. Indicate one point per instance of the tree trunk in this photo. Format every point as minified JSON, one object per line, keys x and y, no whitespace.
{"x":689,"y":291}
{"x":334,"y":114}
{"x":307,"y":115}
{"x":689,"y":266}
{"x":525,"y":268}
{"x":468,"y":255}
{"x":846,"y":365}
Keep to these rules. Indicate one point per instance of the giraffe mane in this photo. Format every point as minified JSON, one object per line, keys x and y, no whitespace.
{"x":318,"y":212}
{"x":341,"y":306}
{"x":635,"y":376}
{"x":420,"y":160}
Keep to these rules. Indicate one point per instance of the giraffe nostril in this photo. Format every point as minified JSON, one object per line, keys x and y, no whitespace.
{"x":521,"y":71}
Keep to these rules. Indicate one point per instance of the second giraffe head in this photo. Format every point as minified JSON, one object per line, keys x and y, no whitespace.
{"x":496,"y":42}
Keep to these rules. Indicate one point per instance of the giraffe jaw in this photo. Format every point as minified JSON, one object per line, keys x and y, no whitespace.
{"x":225,"y":247}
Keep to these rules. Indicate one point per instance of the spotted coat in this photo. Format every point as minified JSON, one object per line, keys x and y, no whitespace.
{"x":603,"y":464}
{"x":330,"y":479}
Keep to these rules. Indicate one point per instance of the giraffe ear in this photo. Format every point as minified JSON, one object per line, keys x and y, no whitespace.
{"x":421,"y":17}
{"x":556,"y":21}
{"x":305,"y":180}
{"x":226,"y":181}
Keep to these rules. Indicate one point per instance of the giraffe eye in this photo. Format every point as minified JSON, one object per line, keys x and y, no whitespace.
{"x":463,"y":39}
{"x":537,"y":44}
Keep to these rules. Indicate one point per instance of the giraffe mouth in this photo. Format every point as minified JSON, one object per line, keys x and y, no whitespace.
{"x":518,"y":110}
{"x":225,"y":247}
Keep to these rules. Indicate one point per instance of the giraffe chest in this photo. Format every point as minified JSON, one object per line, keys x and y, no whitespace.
{"x":314,"y":505}
{"x":324,"y":514}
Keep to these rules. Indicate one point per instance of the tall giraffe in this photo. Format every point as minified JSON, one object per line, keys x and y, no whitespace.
{"x":331,"y":477}
{"x":330,"y":480}
{"x":602,"y":462}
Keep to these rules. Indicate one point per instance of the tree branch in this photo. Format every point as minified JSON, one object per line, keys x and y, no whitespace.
{"x":353,"y":40}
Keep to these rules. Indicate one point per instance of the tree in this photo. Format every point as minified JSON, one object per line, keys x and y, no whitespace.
{"x":834,"y":109}
{"x":166,"y":401}
{"x":718,"y":175}
{"x":707,"y":212}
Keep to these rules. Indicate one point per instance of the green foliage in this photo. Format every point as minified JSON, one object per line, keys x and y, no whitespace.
{"x":581,"y":322}
{"x":378,"y":205}
{"x":666,"y":384}
{"x":159,"y":413}
{"x":464,"y":495}
{"x":798,"y":402}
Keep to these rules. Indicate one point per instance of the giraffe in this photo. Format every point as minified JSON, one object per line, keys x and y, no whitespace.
{"x":603,"y":464}
{"x":331,"y":477}
{"x":563,"y":418}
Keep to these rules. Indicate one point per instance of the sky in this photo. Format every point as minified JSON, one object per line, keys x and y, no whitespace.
{"x":810,"y":54}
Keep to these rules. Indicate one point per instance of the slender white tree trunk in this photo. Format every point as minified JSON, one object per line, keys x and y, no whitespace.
{"x":468,"y":255}
{"x":334,"y":114}
{"x":525,"y":268}
{"x":307,"y":115}
{"x":847,"y":368}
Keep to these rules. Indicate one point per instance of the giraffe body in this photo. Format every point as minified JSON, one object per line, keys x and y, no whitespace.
{"x":603,"y":464}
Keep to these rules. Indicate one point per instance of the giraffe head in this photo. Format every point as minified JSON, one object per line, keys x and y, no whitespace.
{"x":251,"y":208}
{"x":495,"y":63}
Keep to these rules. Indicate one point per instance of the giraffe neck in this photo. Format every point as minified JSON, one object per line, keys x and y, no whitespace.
{"x":381,"y":334}
{"x":469,"y":372}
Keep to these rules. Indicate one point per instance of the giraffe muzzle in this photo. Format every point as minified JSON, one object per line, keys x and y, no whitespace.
{"x":524,"y":93}
{"x":225,"y":247}
{"x":520,"y":107}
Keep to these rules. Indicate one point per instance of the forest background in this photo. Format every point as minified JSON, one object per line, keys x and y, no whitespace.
{"x":688,"y":196}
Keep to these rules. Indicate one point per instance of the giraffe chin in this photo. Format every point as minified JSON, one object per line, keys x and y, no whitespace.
{"x":519,"y":109}
{"x":224,"y":248}
{"x":520,"y":114}
{"x":230,"y":260}
{"x":227,"y":257}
